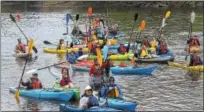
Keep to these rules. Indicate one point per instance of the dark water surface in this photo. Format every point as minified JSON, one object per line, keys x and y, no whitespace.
{"x":167,"y":89}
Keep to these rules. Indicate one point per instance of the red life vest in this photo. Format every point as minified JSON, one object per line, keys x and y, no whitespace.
{"x":21,"y":47}
{"x":194,"y":42}
{"x":65,"y":81}
{"x":163,"y":48}
{"x":122,"y":49}
{"x":36,"y":84}
{"x":195,"y":60}
{"x":146,"y":43}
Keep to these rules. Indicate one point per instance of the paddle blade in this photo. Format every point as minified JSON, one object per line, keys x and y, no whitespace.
{"x":90,"y":11}
{"x":142,"y":26}
{"x":77,"y":17}
{"x":136,"y":16}
{"x":47,"y":42}
{"x":192,"y":17}
{"x":99,"y":56}
{"x":30,"y":46}
{"x":12,"y":18}
{"x":31,"y":71}
{"x":167,"y":14}
{"x":16,"y":95}
{"x":67,"y":18}
{"x":35,"y":49}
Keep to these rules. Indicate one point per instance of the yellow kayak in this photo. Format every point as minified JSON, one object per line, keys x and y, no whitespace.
{"x":184,"y":66}
{"x":63,"y":51}
{"x":109,"y":42}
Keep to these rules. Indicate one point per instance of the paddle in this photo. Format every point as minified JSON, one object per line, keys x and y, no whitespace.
{"x":163,"y":22}
{"x":136,"y":16}
{"x":47,"y":42}
{"x":191,"y":24}
{"x":16,"y":95}
{"x":34,"y":70}
{"x":67,"y":21}
{"x":90,"y":12}
{"x":13,"y":19}
{"x":99,"y":56}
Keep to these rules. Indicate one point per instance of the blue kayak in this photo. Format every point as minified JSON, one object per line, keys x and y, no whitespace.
{"x":133,"y":70}
{"x":119,"y":104}
{"x":81,"y":68}
{"x":163,"y":58}
{"x":45,"y":94}
{"x":70,"y":108}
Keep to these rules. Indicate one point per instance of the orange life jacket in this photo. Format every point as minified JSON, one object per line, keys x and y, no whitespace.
{"x":36,"y":84}
{"x":122,"y":64}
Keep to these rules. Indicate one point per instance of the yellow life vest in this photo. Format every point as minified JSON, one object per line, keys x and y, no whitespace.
{"x":114,"y":93}
{"x":144,"y":53}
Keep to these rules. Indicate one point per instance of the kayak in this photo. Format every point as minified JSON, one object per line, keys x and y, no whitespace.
{"x":80,"y":46}
{"x":109,"y":41}
{"x":45,"y":94}
{"x":62,"y":51}
{"x":81,"y":68}
{"x":133,"y":70}
{"x":115,"y":56}
{"x":119,"y":104}
{"x":118,"y":35}
{"x":163,"y":58}
{"x":22,"y":55}
{"x":76,"y":95}
{"x":69,"y":108}
{"x":184,"y":66}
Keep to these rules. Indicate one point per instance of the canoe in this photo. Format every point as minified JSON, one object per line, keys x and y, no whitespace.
{"x":69,"y":108}
{"x":45,"y":94}
{"x":133,"y":70}
{"x":76,"y":95}
{"x":55,"y":51}
{"x":199,"y":68}
{"x":163,"y":58}
{"x":119,"y":104}
{"x":115,"y":56}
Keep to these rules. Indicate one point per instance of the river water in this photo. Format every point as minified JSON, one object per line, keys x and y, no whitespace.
{"x":170,"y":89}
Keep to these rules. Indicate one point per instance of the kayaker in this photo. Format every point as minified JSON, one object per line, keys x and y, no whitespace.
{"x":122,"y":49}
{"x":79,"y":53}
{"x":94,"y":46}
{"x":194,"y":44}
{"x":71,"y":57}
{"x":162,"y":47}
{"x":88,"y":100}
{"x":114,"y":29}
{"x":146,"y":42}
{"x":20,"y":47}
{"x":144,"y":53}
{"x":106,"y":66}
{"x":66,"y":80}
{"x":33,"y":82}
{"x":61,"y":44}
{"x":112,"y":90}
{"x":96,"y":70}
{"x":195,"y":60}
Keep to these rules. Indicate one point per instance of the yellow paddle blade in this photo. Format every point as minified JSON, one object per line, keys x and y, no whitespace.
{"x":30,"y":46}
{"x":167,"y":14}
{"x":99,"y":56}
{"x":16,"y":95}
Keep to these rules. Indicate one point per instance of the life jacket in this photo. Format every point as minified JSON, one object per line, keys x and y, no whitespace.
{"x":163,"y":48}
{"x":196,"y":60}
{"x":65,"y":81}
{"x":36,"y":84}
{"x":122,"y":49}
{"x":194,"y":42}
{"x":114,"y":93}
{"x":123,"y":64}
{"x":72,"y":58}
{"x":146,"y":43}
{"x":143,"y":52}
{"x":92,"y":101}
{"x":98,"y":72}
{"x":21,"y":47}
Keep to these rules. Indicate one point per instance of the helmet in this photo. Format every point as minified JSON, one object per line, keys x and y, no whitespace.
{"x":88,"y":88}
{"x":35,"y":74}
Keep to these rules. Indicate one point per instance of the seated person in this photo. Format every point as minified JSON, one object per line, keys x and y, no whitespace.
{"x":79,"y":53}
{"x":195,"y":60}
{"x":71,"y":57}
{"x":66,"y":80}
{"x":162,"y":47}
{"x":33,"y":82}
{"x":122,"y":49}
{"x":112,"y":90}
{"x":88,"y":100}
{"x":20,"y":47}
{"x":146,"y":42}
{"x":96,"y":70}
{"x":61,"y":44}
{"x":144,"y":53}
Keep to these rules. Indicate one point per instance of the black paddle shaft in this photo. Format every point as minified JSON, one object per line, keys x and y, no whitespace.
{"x":49,"y":66}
